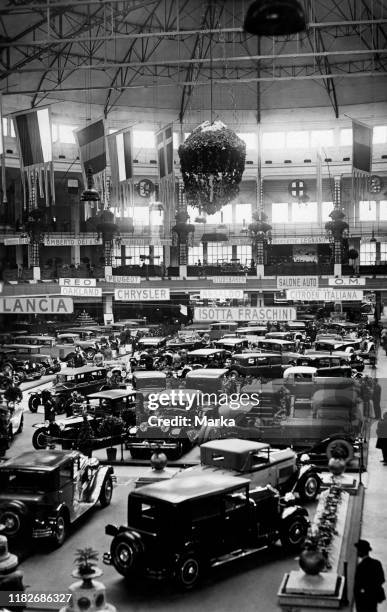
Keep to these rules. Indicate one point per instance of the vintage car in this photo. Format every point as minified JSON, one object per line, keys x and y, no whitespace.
{"x":46,"y":364}
{"x":333,"y":346}
{"x":151,"y":379}
{"x":152,"y":344}
{"x":259,"y":462}
{"x":166,"y":422}
{"x":280,"y":336}
{"x":232,"y":345}
{"x":261,"y":365}
{"x":85,"y":380}
{"x":208,"y":380}
{"x":11,"y":422}
{"x":317,"y":359}
{"x":215,"y":520}
{"x":217,"y":330}
{"x":207,"y":356}
{"x":66,"y":344}
{"x":43,"y":493}
{"x":275,"y":345}
{"x":23,"y":370}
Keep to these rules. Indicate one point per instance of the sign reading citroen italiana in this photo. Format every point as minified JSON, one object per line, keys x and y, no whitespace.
{"x":299,"y":282}
{"x":324,"y":295}
{"x":141,"y":295}
{"x":245,"y":314}
{"x":36,"y":305}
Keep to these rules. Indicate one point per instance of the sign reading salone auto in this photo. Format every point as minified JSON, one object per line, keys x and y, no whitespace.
{"x":324,"y":295}
{"x":245,"y":314}
{"x":299,"y":282}
{"x":132,"y":294}
{"x":36,"y":305}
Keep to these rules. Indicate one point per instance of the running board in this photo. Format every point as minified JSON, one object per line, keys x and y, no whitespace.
{"x":237,"y":554}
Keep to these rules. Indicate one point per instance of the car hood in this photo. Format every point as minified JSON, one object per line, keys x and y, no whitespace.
{"x":28,"y":498}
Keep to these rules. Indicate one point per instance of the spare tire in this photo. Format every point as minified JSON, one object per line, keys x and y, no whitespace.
{"x":126,"y":551}
{"x":15,"y":517}
{"x":40,"y":438}
{"x":34,"y":402}
{"x":344,"y":447}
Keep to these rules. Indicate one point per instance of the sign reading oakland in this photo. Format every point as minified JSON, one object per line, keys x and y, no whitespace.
{"x":36,"y":305}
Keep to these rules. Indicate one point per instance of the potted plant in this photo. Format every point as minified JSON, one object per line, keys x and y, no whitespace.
{"x":111,"y":427}
{"x":86,"y":563}
{"x":312,"y":560}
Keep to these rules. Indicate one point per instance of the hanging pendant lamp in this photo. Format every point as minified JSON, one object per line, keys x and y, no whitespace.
{"x":274,"y":18}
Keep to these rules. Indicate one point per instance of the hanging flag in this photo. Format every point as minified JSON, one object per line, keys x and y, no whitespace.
{"x":2,"y":153}
{"x":164,"y":142}
{"x":319,"y":195}
{"x":92,"y":153}
{"x":167,"y":187}
{"x":361,"y":147}
{"x":121,"y":169}
{"x":33,"y":132}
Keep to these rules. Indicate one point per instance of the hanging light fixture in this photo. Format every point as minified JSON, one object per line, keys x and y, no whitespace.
{"x":274,"y":18}
{"x":90,"y":195}
{"x":373,"y":239}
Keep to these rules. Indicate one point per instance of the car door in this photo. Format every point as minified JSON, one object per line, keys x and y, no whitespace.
{"x":262,"y":367}
{"x":275,"y":369}
{"x":236,"y":513}
{"x":67,"y":479}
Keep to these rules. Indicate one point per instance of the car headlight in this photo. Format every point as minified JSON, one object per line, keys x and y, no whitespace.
{"x":143,"y":426}
{"x":133,"y":430}
{"x":305,"y":458}
{"x":176,"y":431}
{"x":61,"y":425}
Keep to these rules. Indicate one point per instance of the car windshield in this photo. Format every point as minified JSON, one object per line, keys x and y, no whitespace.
{"x":146,"y":513}
{"x":37,"y":482}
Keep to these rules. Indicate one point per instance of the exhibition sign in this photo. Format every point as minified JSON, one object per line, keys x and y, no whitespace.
{"x":228,"y":279}
{"x":343,"y":281}
{"x":318,"y":239}
{"x":123,"y":280}
{"x":245,"y":314}
{"x":298,"y":282}
{"x":36,"y":305}
{"x":78,"y":282}
{"x":70,"y":241}
{"x":141,"y":295}
{"x":81,"y":291}
{"x":324,"y":295}
{"x":223,"y":294}
{"x":16,"y":240}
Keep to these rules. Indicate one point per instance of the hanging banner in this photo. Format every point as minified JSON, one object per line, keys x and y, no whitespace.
{"x":318,"y":239}
{"x":245,"y":314}
{"x":71,"y":241}
{"x":36,"y":305}
{"x":228,"y":279}
{"x":81,"y":291}
{"x":123,"y":280}
{"x":342,"y":281}
{"x":77,"y":282}
{"x":324,"y":295}
{"x":223,"y":294}
{"x":141,"y":295}
{"x":299,"y":282}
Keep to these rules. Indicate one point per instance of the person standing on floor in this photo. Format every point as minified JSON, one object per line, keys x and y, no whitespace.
{"x":381,"y":432}
{"x":369,"y":578}
{"x":376,"y":397}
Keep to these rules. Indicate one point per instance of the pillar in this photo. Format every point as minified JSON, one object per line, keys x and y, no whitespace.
{"x":107,"y":305}
{"x":337,"y":266}
{"x":74,"y":215}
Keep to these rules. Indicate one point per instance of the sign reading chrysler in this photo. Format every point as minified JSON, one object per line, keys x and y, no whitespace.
{"x":343,"y":281}
{"x":36,"y":305}
{"x":245,"y":314}
{"x":298,"y":282}
{"x":324,"y":295}
{"x":141,"y":295}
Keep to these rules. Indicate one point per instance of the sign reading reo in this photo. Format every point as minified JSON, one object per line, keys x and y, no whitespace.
{"x":121,"y":280}
{"x":245,"y":314}
{"x":36,"y":305}
{"x":224,"y":294}
{"x":228,"y":279}
{"x":324,"y":295}
{"x":299,"y":282}
{"x":343,"y":281}
{"x":81,"y":291}
{"x":141,"y":295}
{"x":77,"y":282}
{"x":70,"y":241}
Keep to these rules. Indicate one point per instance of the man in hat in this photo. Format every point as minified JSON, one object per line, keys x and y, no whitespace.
{"x":369,"y":577}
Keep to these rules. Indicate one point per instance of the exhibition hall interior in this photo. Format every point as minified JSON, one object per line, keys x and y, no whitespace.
{"x":193,"y":305}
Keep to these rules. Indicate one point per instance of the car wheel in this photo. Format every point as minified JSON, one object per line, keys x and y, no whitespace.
{"x":39,"y":438}
{"x":187,"y":571}
{"x":60,"y":530}
{"x":15,"y":518}
{"x":294,"y":532}
{"x":126,"y":550}
{"x":21,"y":425}
{"x":343,"y":447}
{"x":105,"y":497}
{"x":34,"y":403}
{"x":309,"y":488}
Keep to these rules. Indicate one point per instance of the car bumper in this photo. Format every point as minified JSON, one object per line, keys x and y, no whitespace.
{"x":42,"y":529}
{"x":151,"y":444}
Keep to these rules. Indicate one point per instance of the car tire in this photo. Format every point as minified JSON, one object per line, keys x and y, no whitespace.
{"x":293,"y":532}
{"x":34,"y":403}
{"x":105,"y":496}
{"x":126,"y":551}
{"x":187,"y":572}
{"x":21,"y":425}
{"x":39,"y":438}
{"x":309,"y":488}
{"x":61,"y":529}
{"x":343,"y":446}
{"x":15,"y":518}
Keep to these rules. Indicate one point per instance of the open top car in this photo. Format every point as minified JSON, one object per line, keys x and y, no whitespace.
{"x":181,"y":527}
{"x":259,"y":462}
{"x":42,"y":493}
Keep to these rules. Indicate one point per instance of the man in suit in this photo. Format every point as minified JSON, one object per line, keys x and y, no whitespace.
{"x":369,"y":577}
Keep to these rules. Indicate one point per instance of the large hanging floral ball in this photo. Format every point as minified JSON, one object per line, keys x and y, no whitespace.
{"x":212,"y":161}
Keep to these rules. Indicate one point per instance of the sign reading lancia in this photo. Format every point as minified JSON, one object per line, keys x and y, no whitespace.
{"x":297,"y":282}
{"x":82,"y":291}
{"x":141,"y":295}
{"x":245,"y":314}
{"x":77,"y":282}
{"x":324,"y":295}
{"x":36,"y":305}
{"x":343,"y":281}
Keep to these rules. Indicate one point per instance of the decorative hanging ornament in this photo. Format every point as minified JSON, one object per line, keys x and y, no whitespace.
{"x":274,"y":18}
{"x":297,"y":189}
{"x":145,"y":188}
{"x":375,"y":184}
{"x":212,"y":161}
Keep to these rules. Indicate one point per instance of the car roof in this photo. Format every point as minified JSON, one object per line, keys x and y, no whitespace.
{"x":232,"y":340}
{"x":235,"y":445}
{"x":256,"y":354}
{"x":323,"y":354}
{"x":179,"y":490}
{"x":205,"y":352}
{"x":299,"y":370}
{"x":276,"y":341}
{"x":46,"y":460}
{"x":207,"y":373}
{"x":111,"y":394}
{"x":82,"y":370}
{"x":149,"y":374}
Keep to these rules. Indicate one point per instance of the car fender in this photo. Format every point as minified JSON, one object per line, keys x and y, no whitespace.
{"x":322,"y":444}
{"x":96,"y":484}
{"x":293,"y":510}
{"x":304,"y":472}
